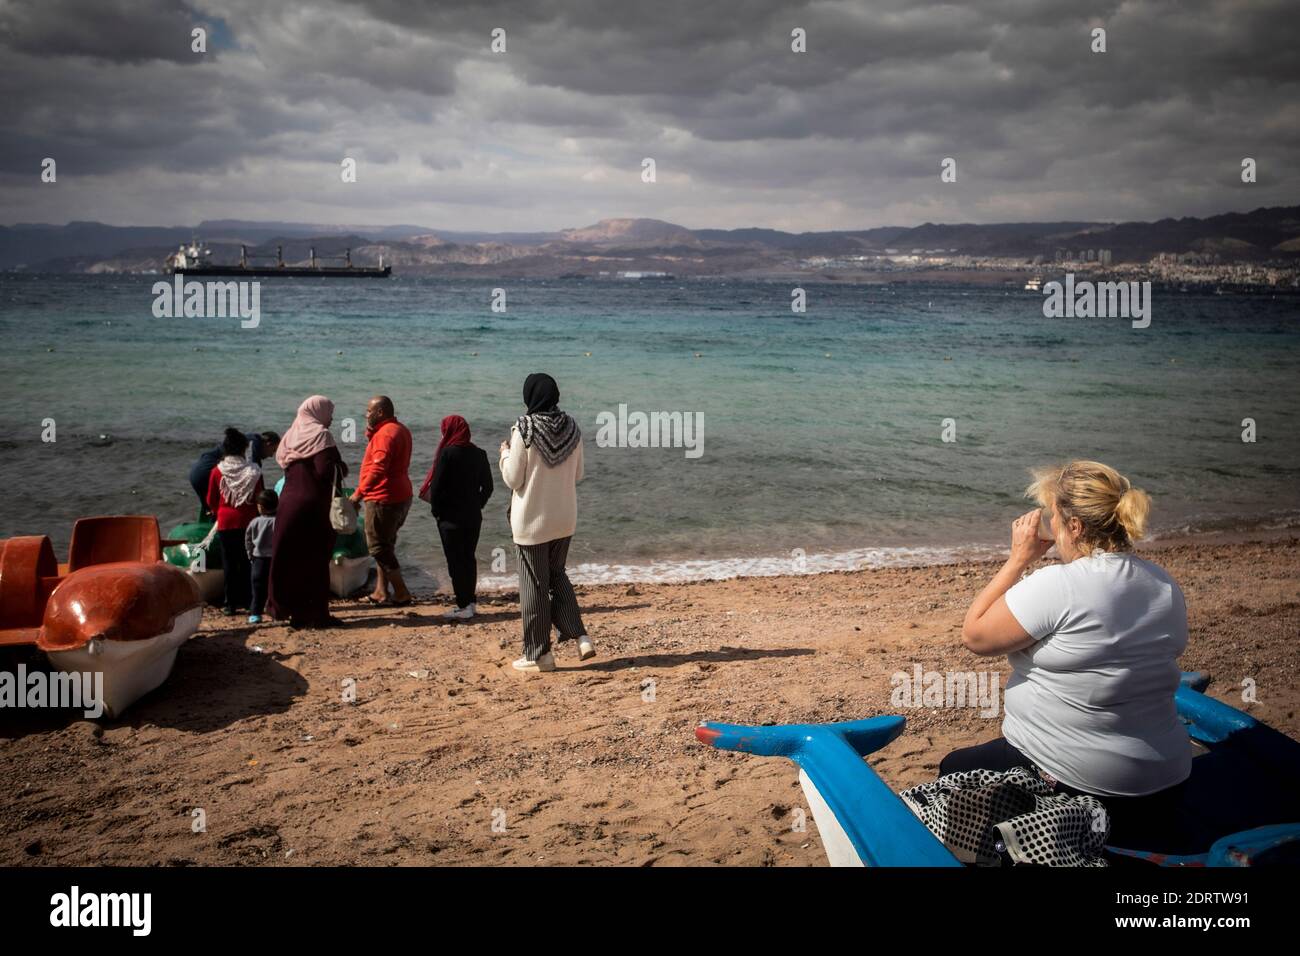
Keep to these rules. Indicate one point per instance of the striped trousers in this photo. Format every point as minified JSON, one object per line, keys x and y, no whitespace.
{"x":546,"y":597}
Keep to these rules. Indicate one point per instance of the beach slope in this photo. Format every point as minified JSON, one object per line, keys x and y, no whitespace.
{"x":255,"y":753}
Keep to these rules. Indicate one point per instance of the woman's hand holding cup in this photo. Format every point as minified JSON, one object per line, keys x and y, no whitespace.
{"x":1027,"y":546}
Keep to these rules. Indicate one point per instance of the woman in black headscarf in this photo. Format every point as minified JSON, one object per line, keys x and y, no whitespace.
{"x":541,"y":464}
{"x":541,"y":394}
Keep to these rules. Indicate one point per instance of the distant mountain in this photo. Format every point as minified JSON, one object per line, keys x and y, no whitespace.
{"x":33,"y":245}
{"x":632,"y":232}
{"x":630,"y":244}
{"x":215,"y":230}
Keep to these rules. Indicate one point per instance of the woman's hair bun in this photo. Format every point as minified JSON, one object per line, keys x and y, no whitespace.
{"x":1131,"y":512}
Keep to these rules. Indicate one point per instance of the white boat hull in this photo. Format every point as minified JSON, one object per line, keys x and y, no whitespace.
{"x":839,"y":849}
{"x":130,"y":669}
{"x":212,"y":585}
{"x":349,"y":575}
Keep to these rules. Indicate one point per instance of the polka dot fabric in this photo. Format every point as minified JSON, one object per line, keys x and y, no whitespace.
{"x":978,"y":814}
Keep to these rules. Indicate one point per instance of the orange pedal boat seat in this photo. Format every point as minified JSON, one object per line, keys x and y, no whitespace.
{"x":104,"y":540}
{"x":123,"y":601}
{"x":29,"y":572}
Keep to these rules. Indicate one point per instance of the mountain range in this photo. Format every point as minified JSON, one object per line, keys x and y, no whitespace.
{"x":613,"y":245}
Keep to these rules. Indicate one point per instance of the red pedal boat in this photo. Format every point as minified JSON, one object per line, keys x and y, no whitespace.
{"x":115,"y":609}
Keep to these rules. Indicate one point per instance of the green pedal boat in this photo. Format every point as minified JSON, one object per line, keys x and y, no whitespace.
{"x":200,"y":555}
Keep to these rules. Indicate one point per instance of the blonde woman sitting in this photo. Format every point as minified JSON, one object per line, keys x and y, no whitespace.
{"x":1094,"y":642}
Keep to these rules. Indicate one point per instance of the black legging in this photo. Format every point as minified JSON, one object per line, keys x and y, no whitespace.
{"x":239,"y":574}
{"x":459,"y":542}
{"x":260,"y":580}
{"x":1134,"y":821}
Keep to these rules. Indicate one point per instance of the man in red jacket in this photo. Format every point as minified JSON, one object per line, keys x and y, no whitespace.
{"x":385,"y":487}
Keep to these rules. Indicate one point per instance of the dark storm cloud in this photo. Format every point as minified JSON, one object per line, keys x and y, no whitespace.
{"x":106,"y":29}
{"x":744,"y":131}
{"x":328,"y":44}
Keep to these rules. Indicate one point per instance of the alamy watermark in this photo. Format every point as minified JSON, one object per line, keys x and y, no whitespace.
{"x":626,"y":429}
{"x":209,"y":300}
{"x":953,"y":689}
{"x":75,"y":908}
{"x":62,"y":690}
{"x":1086,"y":299}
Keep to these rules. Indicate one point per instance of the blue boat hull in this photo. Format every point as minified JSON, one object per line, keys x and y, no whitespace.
{"x":1238,"y":808}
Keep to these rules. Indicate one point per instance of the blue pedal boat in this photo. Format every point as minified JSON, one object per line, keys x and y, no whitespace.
{"x":1239,"y":808}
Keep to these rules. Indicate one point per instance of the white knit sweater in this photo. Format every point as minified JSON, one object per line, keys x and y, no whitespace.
{"x":544,"y":500}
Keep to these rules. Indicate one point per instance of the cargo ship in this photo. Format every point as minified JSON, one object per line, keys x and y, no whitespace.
{"x":196,"y":260}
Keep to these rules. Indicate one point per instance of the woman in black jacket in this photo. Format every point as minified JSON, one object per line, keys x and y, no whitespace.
{"x":456,"y":488}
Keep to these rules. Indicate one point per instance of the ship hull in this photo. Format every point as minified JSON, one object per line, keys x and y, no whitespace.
{"x":265,"y":272}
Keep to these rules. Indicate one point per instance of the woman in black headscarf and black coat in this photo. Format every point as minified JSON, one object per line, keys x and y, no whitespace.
{"x":457,"y":487}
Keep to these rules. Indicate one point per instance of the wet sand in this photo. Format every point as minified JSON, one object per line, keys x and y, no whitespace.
{"x":448,"y":756}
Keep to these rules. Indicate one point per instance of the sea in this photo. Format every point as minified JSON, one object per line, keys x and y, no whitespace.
{"x":885,"y":425}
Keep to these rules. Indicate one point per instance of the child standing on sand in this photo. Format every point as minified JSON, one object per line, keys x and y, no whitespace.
{"x":257,"y":543}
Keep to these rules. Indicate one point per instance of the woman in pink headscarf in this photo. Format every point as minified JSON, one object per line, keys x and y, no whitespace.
{"x":304,"y":538}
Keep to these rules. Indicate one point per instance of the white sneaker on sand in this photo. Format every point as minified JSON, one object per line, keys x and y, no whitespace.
{"x":462,"y":613}
{"x":544,"y":663}
{"x":585,"y":648}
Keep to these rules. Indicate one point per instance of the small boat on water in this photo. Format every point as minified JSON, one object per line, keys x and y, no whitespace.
{"x":115,"y":610}
{"x":1237,"y":809}
{"x":1035,"y":284}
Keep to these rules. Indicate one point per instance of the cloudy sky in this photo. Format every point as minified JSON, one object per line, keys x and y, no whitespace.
{"x":551,"y":133}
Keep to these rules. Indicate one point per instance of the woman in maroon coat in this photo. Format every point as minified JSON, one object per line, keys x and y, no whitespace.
{"x":304,"y":538}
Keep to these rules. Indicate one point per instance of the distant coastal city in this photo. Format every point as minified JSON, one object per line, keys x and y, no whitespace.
{"x":1187,"y":270}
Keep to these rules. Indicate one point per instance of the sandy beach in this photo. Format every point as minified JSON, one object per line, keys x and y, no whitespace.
{"x":582,"y":766}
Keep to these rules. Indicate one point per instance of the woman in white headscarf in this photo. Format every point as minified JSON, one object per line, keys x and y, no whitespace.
{"x":304,"y":538}
{"x":233,"y":486}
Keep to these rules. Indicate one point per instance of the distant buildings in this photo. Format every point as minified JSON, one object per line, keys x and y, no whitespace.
{"x":1184,"y":270}
{"x":1100,"y":256}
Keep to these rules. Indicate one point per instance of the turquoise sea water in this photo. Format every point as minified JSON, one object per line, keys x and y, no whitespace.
{"x":822,"y":431}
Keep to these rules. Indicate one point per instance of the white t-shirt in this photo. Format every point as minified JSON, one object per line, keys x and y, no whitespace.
{"x":1092,"y":701}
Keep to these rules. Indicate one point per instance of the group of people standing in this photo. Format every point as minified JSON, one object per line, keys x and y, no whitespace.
{"x":1094,"y":640}
{"x":276,"y":549}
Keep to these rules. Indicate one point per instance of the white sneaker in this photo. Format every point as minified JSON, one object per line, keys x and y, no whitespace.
{"x":585,"y":648}
{"x":462,"y":613}
{"x":544,"y":663}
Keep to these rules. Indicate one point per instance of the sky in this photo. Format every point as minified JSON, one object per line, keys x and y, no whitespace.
{"x":552,"y":133}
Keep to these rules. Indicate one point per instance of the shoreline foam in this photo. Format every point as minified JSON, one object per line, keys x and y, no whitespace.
{"x":689,"y":570}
